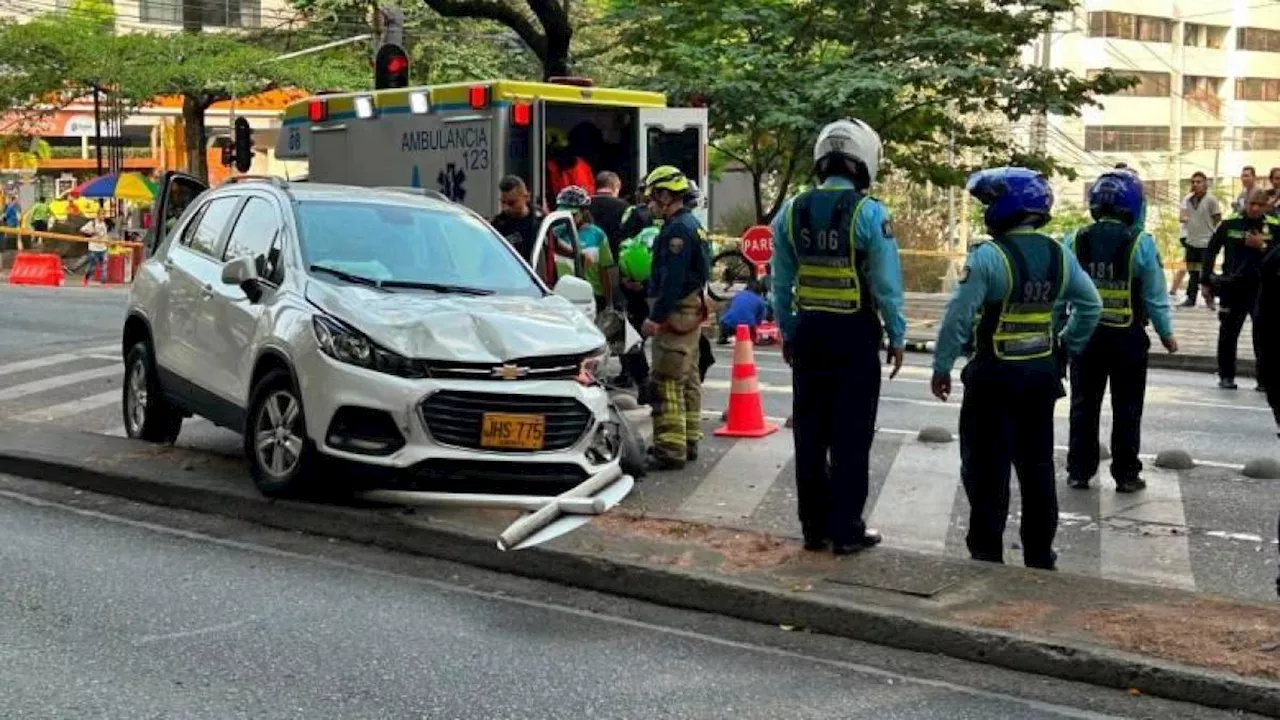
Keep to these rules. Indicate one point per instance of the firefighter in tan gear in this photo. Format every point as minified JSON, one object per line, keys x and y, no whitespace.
{"x":680,"y":270}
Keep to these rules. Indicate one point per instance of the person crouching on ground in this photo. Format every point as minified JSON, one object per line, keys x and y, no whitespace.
{"x":746,"y":308}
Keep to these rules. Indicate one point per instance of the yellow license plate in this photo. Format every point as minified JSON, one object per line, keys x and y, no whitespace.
{"x":513,"y":432}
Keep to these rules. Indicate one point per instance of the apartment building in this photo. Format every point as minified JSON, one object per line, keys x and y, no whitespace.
{"x":149,"y":138}
{"x":1207,"y":97}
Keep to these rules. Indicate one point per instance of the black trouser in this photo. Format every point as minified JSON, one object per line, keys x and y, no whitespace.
{"x":1238,"y":301}
{"x":635,"y":365}
{"x":1194,"y":258}
{"x":1267,"y":348}
{"x":1000,"y":429}
{"x":836,"y":396}
{"x":1122,"y":360}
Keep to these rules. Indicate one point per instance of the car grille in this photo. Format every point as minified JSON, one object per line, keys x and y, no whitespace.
{"x":454,"y":417}
{"x":556,"y":367}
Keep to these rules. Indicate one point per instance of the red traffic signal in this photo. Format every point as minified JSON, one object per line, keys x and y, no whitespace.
{"x":243,"y":145}
{"x":391,"y":67}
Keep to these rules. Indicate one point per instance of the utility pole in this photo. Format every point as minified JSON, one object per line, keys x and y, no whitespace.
{"x":951,"y":198}
{"x":1040,"y":141}
{"x":97,"y":125}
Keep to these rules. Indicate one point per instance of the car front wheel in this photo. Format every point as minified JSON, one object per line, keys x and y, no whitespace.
{"x":148,"y":414}
{"x":275,"y":439}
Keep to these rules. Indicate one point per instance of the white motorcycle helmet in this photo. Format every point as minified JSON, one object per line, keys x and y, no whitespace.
{"x":853,"y":140}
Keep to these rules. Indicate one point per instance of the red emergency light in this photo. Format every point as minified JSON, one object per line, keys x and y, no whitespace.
{"x":522,"y":114}
{"x":317,"y":111}
{"x":397,"y":65}
{"x":479,"y":97}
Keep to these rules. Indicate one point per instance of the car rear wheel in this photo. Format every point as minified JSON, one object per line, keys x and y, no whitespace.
{"x":275,"y":439}
{"x":148,"y":414}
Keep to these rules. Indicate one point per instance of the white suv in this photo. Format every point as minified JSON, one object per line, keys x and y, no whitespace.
{"x":384,"y":328}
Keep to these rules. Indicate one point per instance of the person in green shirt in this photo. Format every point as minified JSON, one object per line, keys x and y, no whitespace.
{"x":40,"y":215}
{"x":598,"y":263}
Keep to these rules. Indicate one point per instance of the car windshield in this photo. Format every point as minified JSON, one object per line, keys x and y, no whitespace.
{"x":408,"y":247}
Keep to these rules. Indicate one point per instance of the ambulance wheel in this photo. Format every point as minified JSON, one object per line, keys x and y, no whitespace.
{"x":730,"y":271}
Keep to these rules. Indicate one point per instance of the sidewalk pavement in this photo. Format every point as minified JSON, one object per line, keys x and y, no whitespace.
{"x":1198,"y":648}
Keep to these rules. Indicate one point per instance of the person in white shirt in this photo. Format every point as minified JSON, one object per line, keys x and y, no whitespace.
{"x":1201,"y":214}
{"x":99,"y":230}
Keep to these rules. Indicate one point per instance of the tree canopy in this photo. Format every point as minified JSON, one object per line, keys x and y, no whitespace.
{"x":60,"y":57}
{"x":924,"y":74}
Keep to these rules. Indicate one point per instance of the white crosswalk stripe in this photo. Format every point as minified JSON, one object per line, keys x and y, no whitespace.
{"x":913,"y":509}
{"x":921,"y":506}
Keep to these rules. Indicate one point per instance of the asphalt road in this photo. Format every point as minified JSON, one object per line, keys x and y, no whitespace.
{"x":111,"y":609}
{"x":35,"y":320}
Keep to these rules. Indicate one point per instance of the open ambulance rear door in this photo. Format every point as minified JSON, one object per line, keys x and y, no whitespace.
{"x":676,"y":136}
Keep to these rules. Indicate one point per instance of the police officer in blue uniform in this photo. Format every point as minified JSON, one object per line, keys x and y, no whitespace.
{"x":1009,"y":296}
{"x":835,"y":266}
{"x":1125,"y":266}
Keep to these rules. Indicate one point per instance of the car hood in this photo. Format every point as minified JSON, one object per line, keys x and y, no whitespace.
{"x":463,"y":328}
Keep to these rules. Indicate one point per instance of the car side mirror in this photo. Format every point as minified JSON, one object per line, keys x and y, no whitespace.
{"x":243,"y":272}
{"x":579,"y":292}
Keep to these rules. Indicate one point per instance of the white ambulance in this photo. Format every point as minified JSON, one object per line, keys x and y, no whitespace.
{"x":461,"y":139}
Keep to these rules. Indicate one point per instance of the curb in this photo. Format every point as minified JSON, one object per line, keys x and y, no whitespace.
{"x":676,"y":588}
{"x":1161,"y":360}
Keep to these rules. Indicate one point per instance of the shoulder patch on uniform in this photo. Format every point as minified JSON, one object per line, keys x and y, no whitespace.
{"x":886,"y":227}
{"x":702,"y":234}
{"x":964,"y":274}
{"x":676,"y":245}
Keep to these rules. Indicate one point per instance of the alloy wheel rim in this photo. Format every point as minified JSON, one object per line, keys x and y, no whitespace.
{"x":277,"y":435}
{"x":137,"y":396}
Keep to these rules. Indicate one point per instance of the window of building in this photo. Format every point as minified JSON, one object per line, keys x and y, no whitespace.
{"x":1127,"y":138}
{"x":1201,"y":138}
{"x":1262,"y":89}
{"x":216,"y":13}
{"x":1258,"y":40}
{"x":1260,"y":138}
{"x":1150,"y":84}
{"x":1125,"y":26}
{"x":1213,"y":37}
{"x":1192,"y":84}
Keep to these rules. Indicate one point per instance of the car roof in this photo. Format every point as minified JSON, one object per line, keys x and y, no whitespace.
{"x":331,"y":192}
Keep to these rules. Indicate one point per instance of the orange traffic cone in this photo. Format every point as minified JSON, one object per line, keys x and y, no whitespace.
{"x":746,"y":413}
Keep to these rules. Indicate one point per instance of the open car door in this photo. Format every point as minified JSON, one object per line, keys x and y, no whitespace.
{"x":174,"y":194}
{"x":553,"y":264}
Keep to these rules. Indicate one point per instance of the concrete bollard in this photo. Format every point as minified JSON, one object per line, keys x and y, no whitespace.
{"x":1262,"y":469}
{"x":935,"y":434}
{"x":1175,"y":460}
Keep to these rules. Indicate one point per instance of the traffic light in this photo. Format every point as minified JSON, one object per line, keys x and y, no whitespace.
{"x":243,"y":146}
{"x":391,"y":67}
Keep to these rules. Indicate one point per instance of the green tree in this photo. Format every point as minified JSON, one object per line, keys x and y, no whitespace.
{"x":60,"y":57}
{"x":925,"y":75}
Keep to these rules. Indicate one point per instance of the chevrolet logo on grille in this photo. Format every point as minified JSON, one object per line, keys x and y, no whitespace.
{"x":510,"y":372}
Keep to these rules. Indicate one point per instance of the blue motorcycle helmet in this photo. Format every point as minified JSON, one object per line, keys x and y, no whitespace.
{"x":1014,"y":196}
{"x":1117,"y":194}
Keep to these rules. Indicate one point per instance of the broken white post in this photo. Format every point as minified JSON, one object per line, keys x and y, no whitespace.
{"x":522,"y":528}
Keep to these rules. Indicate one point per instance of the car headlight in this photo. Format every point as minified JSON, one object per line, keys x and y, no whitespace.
{"x":348,"y":345}
{"x":590,"y":366}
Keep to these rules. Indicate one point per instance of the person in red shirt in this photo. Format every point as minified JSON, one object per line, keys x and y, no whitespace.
{"x":565,"y":167}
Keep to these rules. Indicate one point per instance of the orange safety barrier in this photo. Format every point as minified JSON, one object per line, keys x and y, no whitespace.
{"x":36,"y":269}
{"x":745,"y":416}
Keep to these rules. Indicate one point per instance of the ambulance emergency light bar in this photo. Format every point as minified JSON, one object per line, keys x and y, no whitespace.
{"x":318,"y":108}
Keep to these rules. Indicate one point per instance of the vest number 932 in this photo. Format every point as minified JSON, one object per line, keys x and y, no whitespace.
{"x":1037,"y":292}
{"x":827,"y":240}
